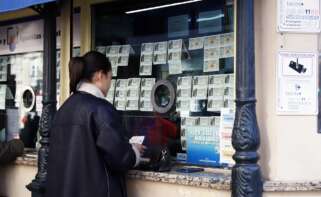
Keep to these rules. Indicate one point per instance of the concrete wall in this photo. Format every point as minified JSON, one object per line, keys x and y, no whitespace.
{"x":14,"y":178}
{"x":137,"y":188}
{"x":290,"y":144}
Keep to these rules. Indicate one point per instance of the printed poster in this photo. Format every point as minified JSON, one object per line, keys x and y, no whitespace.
{"x":202,"y":145}
{"x":299,"y":16}
{"x":226,"y":128}
{"x":297,"y":83}
{"x":3,"y":89}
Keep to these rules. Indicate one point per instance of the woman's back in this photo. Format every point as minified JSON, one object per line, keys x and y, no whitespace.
{"x":83,"y":160}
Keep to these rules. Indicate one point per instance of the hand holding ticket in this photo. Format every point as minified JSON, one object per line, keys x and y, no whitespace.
{"x":137,"y":140}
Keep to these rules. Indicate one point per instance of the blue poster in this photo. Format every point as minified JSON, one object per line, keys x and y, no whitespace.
{"x":202,"y":145}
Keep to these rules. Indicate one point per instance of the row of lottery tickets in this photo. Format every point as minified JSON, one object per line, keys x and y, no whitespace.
{"x":171,"y":52}
{"x":131,"y":94}
{"x":4,"y":61}
{"x":218,"y":90}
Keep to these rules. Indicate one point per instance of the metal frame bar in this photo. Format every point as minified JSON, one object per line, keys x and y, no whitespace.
{"x":246,"y":173}
{"x":37,"y":186}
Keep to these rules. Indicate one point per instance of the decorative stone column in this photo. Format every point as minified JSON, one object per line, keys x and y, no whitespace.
{"x":246,"y":173}
{"x":49,"y":13}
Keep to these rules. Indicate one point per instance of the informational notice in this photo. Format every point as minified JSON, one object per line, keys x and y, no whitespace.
{"x":297,"y":83}
{"x":202,"y":145}
{"x":299,"y":16}
{"x":226,"y":128}
{"x":28,"y":36}
{"x":3,"y":89}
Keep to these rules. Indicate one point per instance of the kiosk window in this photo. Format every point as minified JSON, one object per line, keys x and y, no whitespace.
{"x":187,"y":44}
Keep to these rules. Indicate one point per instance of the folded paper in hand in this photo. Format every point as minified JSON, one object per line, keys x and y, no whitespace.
{"x":137,"y":139}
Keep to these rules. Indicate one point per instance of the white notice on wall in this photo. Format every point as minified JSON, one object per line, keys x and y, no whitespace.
{"x":226,"y":128}
{"x":297,"y":83}
{"x":299,"y":16}
{"x":3,"y":89}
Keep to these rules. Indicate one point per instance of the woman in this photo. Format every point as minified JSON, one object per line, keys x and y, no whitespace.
{"x":89,"y":154}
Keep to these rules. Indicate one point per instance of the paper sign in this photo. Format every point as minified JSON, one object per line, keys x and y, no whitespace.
{"x":145,"y":70}
{"x":137,"y":139}
{"x":175,"y":45}
{"x":202,"y":145}
{"x":196,"y":43}
{"x":175,"y":69}
{"x":226,"y":128}
{"x":3,"y":89}
{"x":297,"y":83}
{"x":299,"y":16}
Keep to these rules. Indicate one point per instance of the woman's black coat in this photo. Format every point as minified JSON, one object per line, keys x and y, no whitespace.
{"x":89,"y":154}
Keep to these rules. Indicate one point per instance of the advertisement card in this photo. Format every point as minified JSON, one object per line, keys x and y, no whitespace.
{"x":200,"y":81}
{"x":212,"y":54}
{"x":160,"y":58}
{"x":160,"y":47}
{"x":196,"y":43}
{"x":217,"y":80}
{"x":114,"y":71}
{"x":216,"y":92}
{"x":146,"y":59}
{"x":145,"y":105}
{"x":3,"y":91}
{"x":227,"y":51}
{"x":183,"y":105}
{"x":202,"y":145}
{"x":175,"y":45}
{"x":214,"y":105}
{"x":133,"y":82}
{"x":123,"y":60}
{"x":175,"y":69}
{"x":125,"y":50}
{"x":184,"y":82}
{"x":145,"y":70}
{"x":112,"y":50}
{"x":147,"y":83}
{"x":212,"y":41}
{"x":175,"y":57}
{"x":225,"y":133}
{"x":147,"y":48}
{"x":211,"y":65}
{"x":120,"y":104}
{"x":145,"y":95}
{"x":227,"y":39}
{"x":132,"y":105}
{"x":121,"y":84}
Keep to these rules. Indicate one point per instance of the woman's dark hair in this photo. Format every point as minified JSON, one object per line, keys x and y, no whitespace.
{"x":84,"y":67}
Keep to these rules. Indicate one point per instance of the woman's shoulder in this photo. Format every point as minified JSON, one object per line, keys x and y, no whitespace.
{"x":81,"y":101}
{"x":93,"y":101}
{"x":84,"y":105}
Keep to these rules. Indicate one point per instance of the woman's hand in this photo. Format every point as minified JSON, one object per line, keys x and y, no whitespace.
{"x":141,"y":148}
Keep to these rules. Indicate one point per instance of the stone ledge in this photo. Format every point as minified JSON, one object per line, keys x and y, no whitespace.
{"x":212,"y":180}
{"x":217,"y":179}
{"x":291,"y":186}
{"x":28,"y":161}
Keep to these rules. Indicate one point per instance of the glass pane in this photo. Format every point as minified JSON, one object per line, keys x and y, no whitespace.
{"x":191,"y":45}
